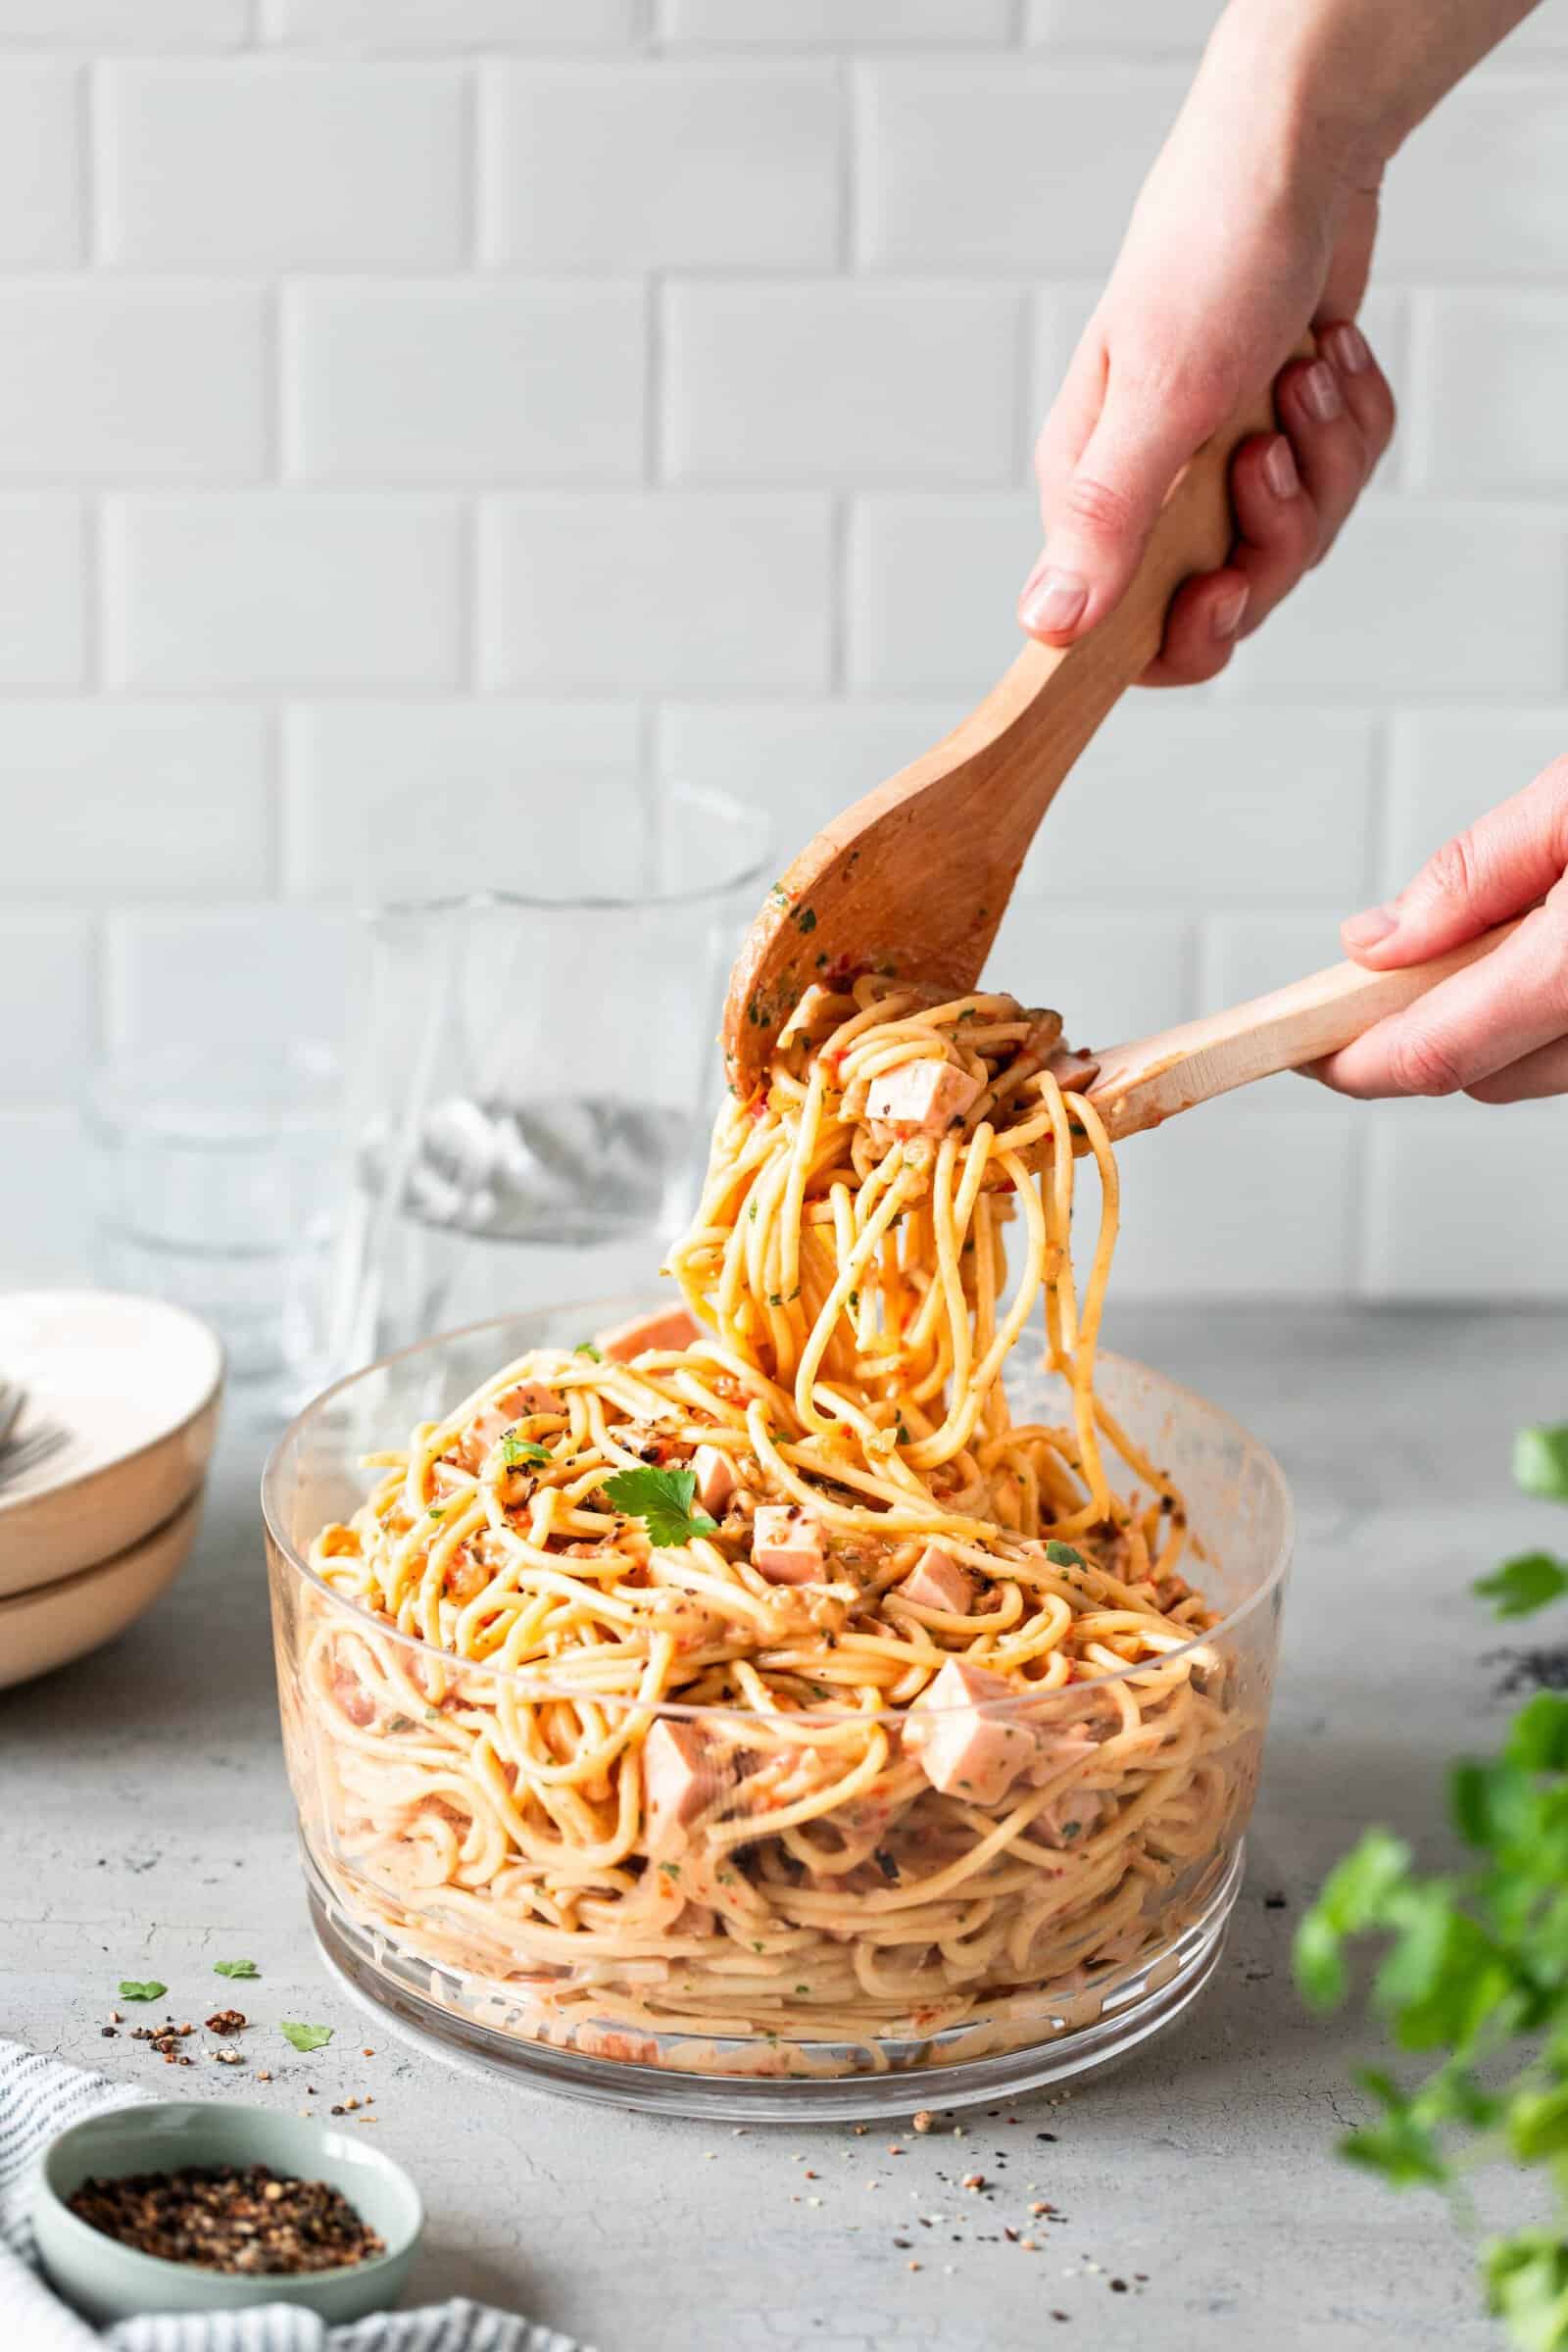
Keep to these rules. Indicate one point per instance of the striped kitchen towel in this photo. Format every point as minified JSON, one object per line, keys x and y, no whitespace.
{"x":41,"y":2096}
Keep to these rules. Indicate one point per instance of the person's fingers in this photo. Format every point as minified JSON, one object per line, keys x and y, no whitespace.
{"x":1330,"y":448}
{"x":1098,"y":517}
{"x":1499,"y":1011}
{"x":1206,"y":615}
{"x":1368,"y":393}
{"x":1495,"y":868}
{"x":1278,"y":531}
{"x":1281,"y":528}
{"x":1544,"y":1072}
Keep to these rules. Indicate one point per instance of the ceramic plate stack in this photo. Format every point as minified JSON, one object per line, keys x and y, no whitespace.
{"x":91,"y":1537}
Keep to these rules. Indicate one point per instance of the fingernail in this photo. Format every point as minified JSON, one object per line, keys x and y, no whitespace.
{"x":1320,"y":394}
{"x":1365,"y":930}
{"x":1278,"y":469}
{"x":1051,"y":599}
{"x":1228,"y":610}
{"x":1347,"y":348}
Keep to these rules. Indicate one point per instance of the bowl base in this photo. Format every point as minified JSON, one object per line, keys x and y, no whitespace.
{"x":421,"y":2002}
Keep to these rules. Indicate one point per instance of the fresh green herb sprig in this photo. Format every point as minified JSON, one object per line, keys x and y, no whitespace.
{"x":516,"y":1451}
{"x":663,"y":1500}
{"x":1475,"y":1965}
{"x":306,"y":2038}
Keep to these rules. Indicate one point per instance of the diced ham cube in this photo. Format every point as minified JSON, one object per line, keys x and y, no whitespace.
{"x":786,"y":1545}
{"x":969,"y":1741}
{"x":1057,"y":1746}
{"x":675,"y":1783}
{"x":665,"y":1327}
{"x":937,"y":1582}
{"x":528,"y":1396}
{"x":715,"y":1478}
{"x":1073,"y":1072}
{"x":922,"y":1097}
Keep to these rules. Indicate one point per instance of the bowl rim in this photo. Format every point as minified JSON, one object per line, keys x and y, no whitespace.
{"x":269,"y":2286}
{"x":618,"y":1306}
{"x":69,"y":1482}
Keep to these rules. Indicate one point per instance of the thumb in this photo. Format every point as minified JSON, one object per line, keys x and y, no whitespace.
{"x":1098,"y":513}
{"x":1495,"y":868}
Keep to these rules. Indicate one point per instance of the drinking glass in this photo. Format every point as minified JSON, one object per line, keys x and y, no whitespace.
{"x":214,"y":1174}
{"x":536,"y":1069}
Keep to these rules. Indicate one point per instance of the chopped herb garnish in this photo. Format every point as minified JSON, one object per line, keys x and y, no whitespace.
{"x":1062,"y":1555}
{"x":516,"y":1451}
{"x":132,"y":1989}
{"x":587,"y":1347}
{"x":1524,"y":1584}
{"x":663,"y":1500}
{"x":306,"y":2038}
{"x":235,"y":1968}
{"x":438,"y":1510}
{"x":671,"y":1870}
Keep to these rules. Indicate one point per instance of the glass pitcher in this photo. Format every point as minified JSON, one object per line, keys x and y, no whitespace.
{"x":537,"y":1068}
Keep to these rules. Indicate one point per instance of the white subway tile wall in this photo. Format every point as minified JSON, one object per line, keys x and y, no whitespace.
{"x":430,"y":396}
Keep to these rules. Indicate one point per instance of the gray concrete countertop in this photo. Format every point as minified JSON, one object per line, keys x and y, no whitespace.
{"x":148,"y":1832}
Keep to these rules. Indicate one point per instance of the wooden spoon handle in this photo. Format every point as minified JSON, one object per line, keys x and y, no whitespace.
{"x":1140,"y":1084}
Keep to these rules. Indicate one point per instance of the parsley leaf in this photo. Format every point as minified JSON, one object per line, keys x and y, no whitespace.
{"x":235,"y":1968}
{"x":1473,"y":1965}
{"x":132,"y":1989}
{"x":663,"y":1500}
{"x":516,"y":1451}
{"x":587,"y":1347}
{"x":1062,"y":1555}
{"x":1540,"y":1461}
{"x":306,"y":2038}
{"x":1523,"y":1583}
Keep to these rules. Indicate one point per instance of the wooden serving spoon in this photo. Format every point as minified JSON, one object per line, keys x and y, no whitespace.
{"x":913,"y":879}
{"x":1138,"y":1085}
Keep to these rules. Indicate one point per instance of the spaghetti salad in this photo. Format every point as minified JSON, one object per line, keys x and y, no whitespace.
{"x":767,"y":1679}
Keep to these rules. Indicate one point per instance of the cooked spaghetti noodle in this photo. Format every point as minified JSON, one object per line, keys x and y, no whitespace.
{"x":767,"y":1680}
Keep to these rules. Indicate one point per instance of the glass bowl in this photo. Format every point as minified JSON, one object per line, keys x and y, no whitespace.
{"x":707,"y":1931}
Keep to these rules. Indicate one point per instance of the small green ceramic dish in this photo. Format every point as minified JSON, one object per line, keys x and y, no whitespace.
{"x":106,"y":2280}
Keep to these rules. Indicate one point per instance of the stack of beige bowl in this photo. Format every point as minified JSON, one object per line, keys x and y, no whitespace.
{"x":91,"y":1537}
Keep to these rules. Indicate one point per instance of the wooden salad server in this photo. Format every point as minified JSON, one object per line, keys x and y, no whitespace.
{"x":912,"y":880}
{"x":1138,"y":1085}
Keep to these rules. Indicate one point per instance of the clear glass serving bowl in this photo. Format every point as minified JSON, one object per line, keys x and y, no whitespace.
{"x":717,"y":1956}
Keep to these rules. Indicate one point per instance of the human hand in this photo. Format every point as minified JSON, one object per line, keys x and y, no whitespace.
{"x":1498,"y":1030}
{"x":1244,"y":235}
